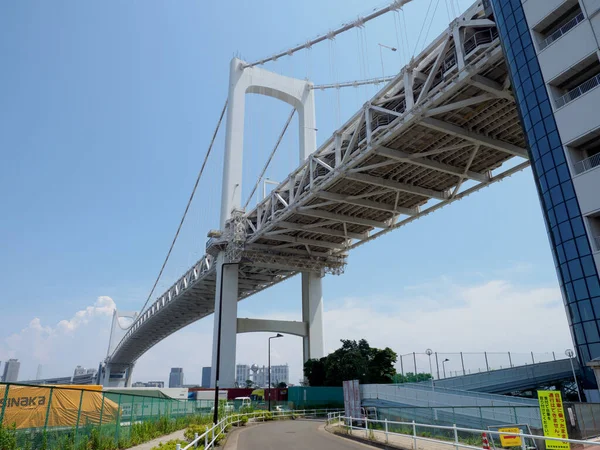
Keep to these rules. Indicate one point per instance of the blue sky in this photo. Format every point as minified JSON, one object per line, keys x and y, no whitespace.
{"x":107,"y":112}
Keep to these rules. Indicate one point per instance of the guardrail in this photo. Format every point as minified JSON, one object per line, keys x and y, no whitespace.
{"x":568,"y":26}
{"x":584,"y":87}
{"x":211,"y":435}
{"x":457,"y":437}
{"x":587,"y":164}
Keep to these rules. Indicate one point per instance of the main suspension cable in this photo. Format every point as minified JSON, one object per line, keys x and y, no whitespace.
{"x":262,"y":173}
{"x":212,"y":141}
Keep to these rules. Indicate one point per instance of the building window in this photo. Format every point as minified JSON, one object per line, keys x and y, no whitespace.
{"x":594,"y":227}
{"x":585,"y":153}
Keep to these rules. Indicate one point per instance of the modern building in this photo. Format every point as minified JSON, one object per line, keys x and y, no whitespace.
{"x":280,"y":374}
{"x":79,"y":371}
{"x":176,"y":377}
{"x":11,"y":371}
{"x":155,"y":384}
{"x":553,"y":56}
{"x":242,"y":374}
{"x":206,"y":377}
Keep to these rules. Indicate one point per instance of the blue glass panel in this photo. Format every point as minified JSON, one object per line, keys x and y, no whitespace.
{"x":593,"y":286}
{"x":578,"y":330}
{"x":568,"y":191}
{"x":574,"y":313}
{"x":565,"y":231}
{"x":584,"y":353}
{"x":583,"y":247}
{"x":570,"y":250}
{"x":575,"y":269}
{"x":561,"y":213}
{"x":570,"y":292}
{"x":585,"y":310}
{"x":591,"y":331}
{"x":594,"y":350}
{"x":561,"y":253}
{"x":556,"y":194}
{"x":547,"y":160}
{"x":589,"y":269}
{"x":552,"y":178}
{"x":564,"y":270}
{"x":573,"y":208}
{"x":559,"y":157}
{"x":581,"y":293}
{"x":578,"y":228}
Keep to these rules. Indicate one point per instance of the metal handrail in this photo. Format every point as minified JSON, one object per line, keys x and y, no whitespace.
{"x":348,"y":423}
{"x":562,"y":30}
{"x":587,"y":164}
{"x":584,"y":87}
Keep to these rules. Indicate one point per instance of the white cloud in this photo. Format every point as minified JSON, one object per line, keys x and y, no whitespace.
{"x":444,"y":315}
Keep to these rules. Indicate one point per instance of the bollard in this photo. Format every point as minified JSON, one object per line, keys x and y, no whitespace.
{"x":195,"y":440}
{"x":178,"y":447}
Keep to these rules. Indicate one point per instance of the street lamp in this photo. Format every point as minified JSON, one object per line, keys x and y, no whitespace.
{"x":444,"y":366}
{"x":429,"y":352}
{"x":570,"y":355}
{"x":381,"y":55}
{"x":279,"y":335}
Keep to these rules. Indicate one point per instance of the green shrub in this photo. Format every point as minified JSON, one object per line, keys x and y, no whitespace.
{"x":243,"y":420}
{"x":193,"y":429}
{"x":8,"y":437}
{"x":170,"y":445}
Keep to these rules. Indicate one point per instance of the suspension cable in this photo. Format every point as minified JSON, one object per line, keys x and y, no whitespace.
{"x":212,"y":141}
{"x":262,"y":173}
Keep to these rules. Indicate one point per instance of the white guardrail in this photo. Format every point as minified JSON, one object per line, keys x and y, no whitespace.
{"x":211,"y":435}
{"x":453,"y":438}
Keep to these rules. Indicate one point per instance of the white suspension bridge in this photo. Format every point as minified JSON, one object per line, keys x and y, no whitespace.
{"x":443,"y":128}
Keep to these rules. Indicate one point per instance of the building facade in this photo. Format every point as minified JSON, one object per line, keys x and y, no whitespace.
{"x":553,"y":54}
{"x":176,"y":377}
{"x":206,"y":377}
{"x":242,"y":374}
{"x":280,"y":374}
{"x":11,"y":371}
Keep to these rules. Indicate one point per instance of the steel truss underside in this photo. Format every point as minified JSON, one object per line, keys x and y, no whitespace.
{"x":442,"y":129}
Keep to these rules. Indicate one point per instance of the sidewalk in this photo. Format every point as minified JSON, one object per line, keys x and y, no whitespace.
{"x":154,"y":443}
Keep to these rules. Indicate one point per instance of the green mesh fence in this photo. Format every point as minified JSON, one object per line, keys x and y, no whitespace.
{"x":46,"y":417}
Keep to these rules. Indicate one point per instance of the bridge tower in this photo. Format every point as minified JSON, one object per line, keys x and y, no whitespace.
{"x":244,"y":79}
{"x":111,"y":374}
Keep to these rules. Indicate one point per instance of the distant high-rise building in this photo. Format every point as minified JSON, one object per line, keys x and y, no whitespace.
{"x":138,"y":384}
{"x":38,"y":375}
{"x":11,"y":371}
{"x":206,"y":377}
{"x":79,"y":371}
{"x":156,"y":384}
{"x":176,"y":377}
{"x":280,"y":374}
{"x":242,"y":373}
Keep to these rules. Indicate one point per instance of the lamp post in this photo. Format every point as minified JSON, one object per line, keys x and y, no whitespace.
{"x":381,"y":55}
{"x":429,"y":352}
{"x":444,"y":366}
{"x":570,"y":355}
{"x":279,"y":335}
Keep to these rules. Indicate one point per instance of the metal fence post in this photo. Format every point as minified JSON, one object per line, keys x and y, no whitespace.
{"x":386,"y":431}
{"x":47,"y":408}
{"x":195,"y":440}
{"x":414,"y":435}
{"x":143,"y":401}
{"x":5,"y":401}
{"x":206,"y":439}
{"x":462,"y":362}
{"x":455,"y":436}
{"x":118,"y":421}
{"x":532,"y":359}
{"x":78,"y":417}
{"x":487,"y":366}
{"x":366,"y":427}
{"x":101,"y":411}
{"x":510,"y":360}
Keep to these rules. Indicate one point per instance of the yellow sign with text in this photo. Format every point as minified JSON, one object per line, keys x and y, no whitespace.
{"x":510,"y":440}
{"x":553,"y":419}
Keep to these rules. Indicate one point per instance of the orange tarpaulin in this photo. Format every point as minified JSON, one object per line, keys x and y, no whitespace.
{"x":27,"y":406}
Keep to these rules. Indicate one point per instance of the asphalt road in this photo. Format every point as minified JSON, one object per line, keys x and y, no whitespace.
{"x":291,"y":435}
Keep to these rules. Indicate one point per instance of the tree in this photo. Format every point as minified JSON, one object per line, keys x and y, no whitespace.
{"x":410,"y":377}
{"x":353,"y":360}
{"x":314,"y":371}
{"x":249,"y":384}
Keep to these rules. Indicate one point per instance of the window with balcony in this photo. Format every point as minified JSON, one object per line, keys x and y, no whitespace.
{"x":585,"y":156}
{"x":578,"y":80}
{"x":559,"y":23}
{"x":594,"y":226}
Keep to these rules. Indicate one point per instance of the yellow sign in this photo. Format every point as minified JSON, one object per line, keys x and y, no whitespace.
{"x":510,"y":440}
{"x":553,"y":419}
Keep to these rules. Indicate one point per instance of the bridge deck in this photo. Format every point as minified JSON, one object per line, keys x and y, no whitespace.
{"x":437,"y":132}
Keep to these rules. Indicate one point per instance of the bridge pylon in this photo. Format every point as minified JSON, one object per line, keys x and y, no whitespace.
{"x":300,"y":94}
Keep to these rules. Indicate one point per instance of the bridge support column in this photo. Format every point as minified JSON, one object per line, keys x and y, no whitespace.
{"x":312,"y":314}
{"x":226,"y":298}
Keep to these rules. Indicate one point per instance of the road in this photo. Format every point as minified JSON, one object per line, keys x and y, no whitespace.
{"x":290,"y":435}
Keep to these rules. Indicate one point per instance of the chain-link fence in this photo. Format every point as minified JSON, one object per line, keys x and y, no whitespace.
{"x":47,"y":417}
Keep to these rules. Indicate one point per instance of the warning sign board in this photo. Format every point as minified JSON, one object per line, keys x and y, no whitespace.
{"x":510,"y":440}
{"x":553,"y":419}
